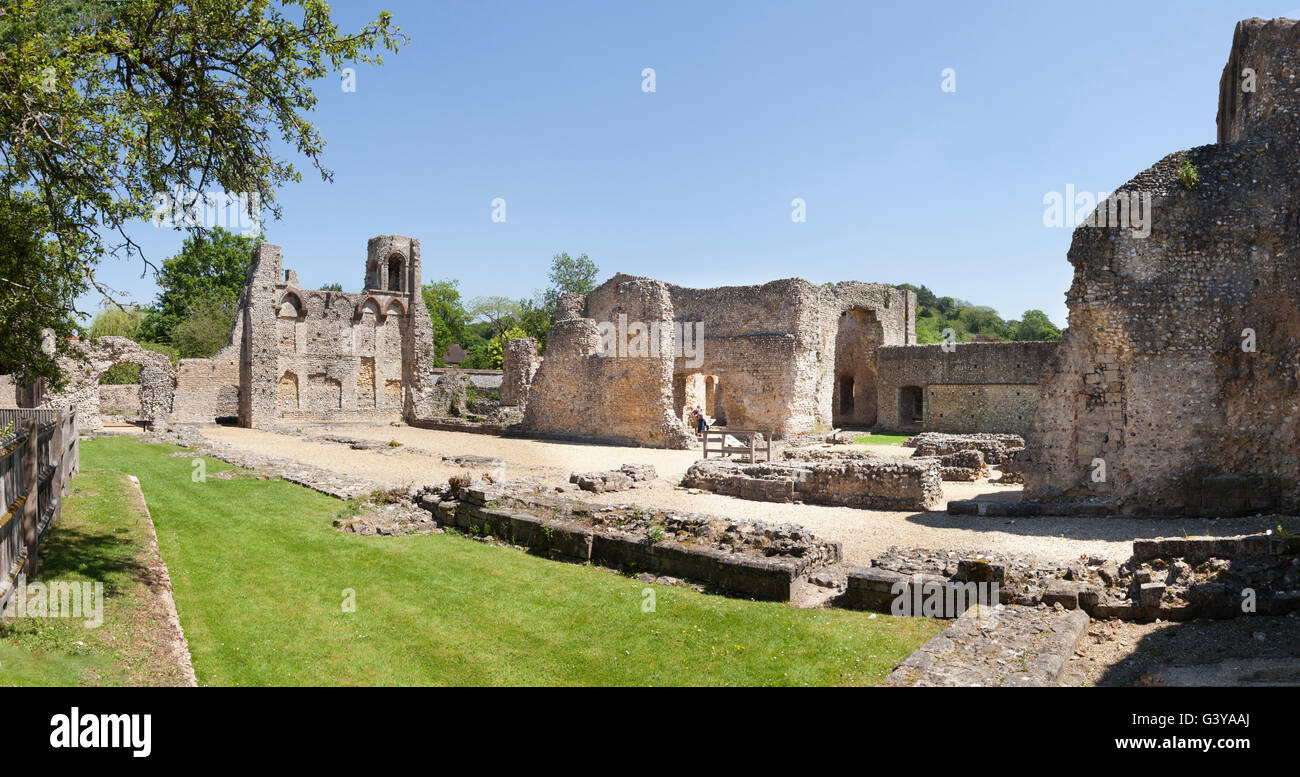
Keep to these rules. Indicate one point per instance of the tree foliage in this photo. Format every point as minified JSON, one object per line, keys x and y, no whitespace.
{"x":448,"y":314}
{"x":208,"y":272}
{"x":106,"y":106}
{"x":569,"y":274}
{"x":971,"y":322}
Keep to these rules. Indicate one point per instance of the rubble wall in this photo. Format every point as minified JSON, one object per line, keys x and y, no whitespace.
{"x":1179,"y":368}
{"x":975,"y":387}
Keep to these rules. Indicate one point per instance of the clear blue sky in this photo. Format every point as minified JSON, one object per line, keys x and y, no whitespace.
{"x":755,"y":104}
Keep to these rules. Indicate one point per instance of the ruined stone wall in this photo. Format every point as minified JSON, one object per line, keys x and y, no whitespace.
{"x":864,"y":481}
{"x":207,"y":389}
{"x":623,"y":399}
{"x":1152,"y":378}
{"x":488,"y":380}
{"x":328,"y":356}
{"x":155,"y":391}
{"x":519,"y":363}
{"x":121,"y":400}
{"x":8,"y":391}
{"x":977,"y":387}
{"x":772,"y":348}
{"x":767,"y":358}
{"x":863,"y":318}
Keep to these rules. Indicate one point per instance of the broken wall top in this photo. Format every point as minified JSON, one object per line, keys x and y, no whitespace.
{"x":1259,"y":93}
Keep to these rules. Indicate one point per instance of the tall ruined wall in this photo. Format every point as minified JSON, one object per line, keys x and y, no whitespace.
{"x":207,"y":389}
{"x":760,"y":350}
{"x":624,"y":399}
{"x":860,"y":319}
{"x":259,"y":341}
{"x":976,"y":387}
{"x":1151,"y":377}
{"x":766,"y":355}
{"x":323,"y":355}
{"x":773,"y":348}
{"x":421,"y":398}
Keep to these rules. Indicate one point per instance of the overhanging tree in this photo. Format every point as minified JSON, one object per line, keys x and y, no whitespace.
{"x":106,"y":106}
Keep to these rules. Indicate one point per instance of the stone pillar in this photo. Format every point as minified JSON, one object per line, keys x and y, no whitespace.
{"x":518,"y":365}
{"x":259,"y":361}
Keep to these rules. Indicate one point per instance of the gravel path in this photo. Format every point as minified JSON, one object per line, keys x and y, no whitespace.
{"x":864,"y":533}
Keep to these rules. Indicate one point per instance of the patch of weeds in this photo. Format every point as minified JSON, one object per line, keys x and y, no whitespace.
{"x":655,"y":533}
{"x":1188,"y":175}
{"x":1291,"y":542}
{"x":384,"y":496}
{"x":394,"y":444}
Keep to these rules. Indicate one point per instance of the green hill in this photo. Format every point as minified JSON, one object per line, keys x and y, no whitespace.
{"x":973,"y":322}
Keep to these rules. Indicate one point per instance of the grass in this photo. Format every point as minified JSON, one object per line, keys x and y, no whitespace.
{"x":262,"y":581}
{"x":102,"y":536}
{"x":883,"y":438}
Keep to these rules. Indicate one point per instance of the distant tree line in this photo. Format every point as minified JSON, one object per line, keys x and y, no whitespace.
{"x":483,"y":325}
{"x":200,"y":286}
{"x":973,"y":322}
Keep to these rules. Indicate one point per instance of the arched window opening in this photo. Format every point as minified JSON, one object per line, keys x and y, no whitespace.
{"x":395,"y":273}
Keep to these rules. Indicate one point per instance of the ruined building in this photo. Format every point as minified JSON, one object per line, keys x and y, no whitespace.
{"x":300,"y":354}
{"x":1176,"y":389}
{"x":785,"y":358}
{"x":294,"y":354}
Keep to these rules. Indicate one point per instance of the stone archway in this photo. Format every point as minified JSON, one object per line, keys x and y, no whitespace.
{"x":858,"y":335}
{"x":157,"y":381}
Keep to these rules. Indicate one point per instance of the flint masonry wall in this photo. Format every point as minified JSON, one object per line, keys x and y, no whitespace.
{"x":786,"y":357}
{"x":577,"y":392}
{"x":1151,"y":376}
{"x":519,"y":362}
{"x":302,"y":354}
{"x":156,"y":389}
{"x":977,"y":387}
{"x":120,"y":400}
{"x":777,"y":352}
{"x":207,"y":390}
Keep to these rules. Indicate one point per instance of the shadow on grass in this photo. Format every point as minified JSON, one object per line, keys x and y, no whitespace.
{"x":78,"y":551}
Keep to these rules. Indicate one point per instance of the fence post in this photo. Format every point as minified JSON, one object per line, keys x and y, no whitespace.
{"x":56,"y":453}
{"x":31,"y":507}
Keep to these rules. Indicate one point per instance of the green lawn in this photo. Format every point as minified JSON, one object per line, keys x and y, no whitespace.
{"x":102,"y":536}
{"x":883,"y":438}
{"x":261,"y":577}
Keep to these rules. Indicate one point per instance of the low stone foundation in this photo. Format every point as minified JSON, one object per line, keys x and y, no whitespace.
{"x":748,"y":558}
{"x":1031,"y":648}
{"x":1166,"y":579}
{"x":867,"y":482}
{"x":620,"y":479}
{"x":993,"y":446}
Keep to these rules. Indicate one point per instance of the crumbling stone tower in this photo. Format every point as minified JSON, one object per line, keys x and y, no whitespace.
{"x":335,"y":356}
{"x":1178,"y":380}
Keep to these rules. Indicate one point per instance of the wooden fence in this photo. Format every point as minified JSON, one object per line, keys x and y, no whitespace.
{"x":747,"y":437}
{"x":38,"y":456}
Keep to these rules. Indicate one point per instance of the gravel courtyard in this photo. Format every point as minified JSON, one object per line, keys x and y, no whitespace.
{"x":864,"y":533}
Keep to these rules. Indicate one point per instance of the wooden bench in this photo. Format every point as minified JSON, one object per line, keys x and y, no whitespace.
{"x":718,"y":435}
